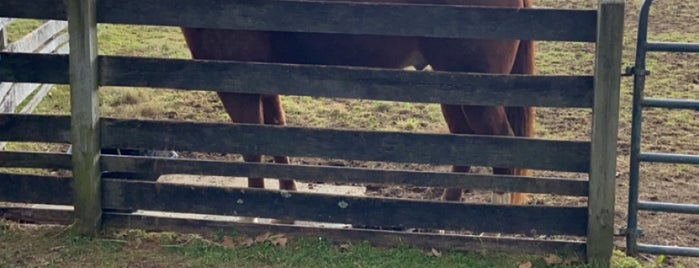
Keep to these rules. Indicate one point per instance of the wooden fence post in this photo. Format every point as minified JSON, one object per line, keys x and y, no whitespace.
{"x":605,"y":120}
{"x":82,"y":27}
{"x":3,"y":38}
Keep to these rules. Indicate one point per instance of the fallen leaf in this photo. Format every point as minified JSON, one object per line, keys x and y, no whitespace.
{"x":552,"y":259}
{"x":120,"y":234}
{"x":134,"y":243}
{"x":526,"y":264}
{"x":435,"y":253}
{"x":263,"y":237}
{"x":280,"y":241}
{"x":246,"y":241}
{"x":227,"y":242}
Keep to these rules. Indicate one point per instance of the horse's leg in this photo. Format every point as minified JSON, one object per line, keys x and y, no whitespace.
{"x":491,"y":120}
{"x":482,"y":56}
{"x":274,"y":115}
{"x":456,"y":121}
{"x":237,"y":45}
{"x":246,"y":109}
{"x":522,"y":118}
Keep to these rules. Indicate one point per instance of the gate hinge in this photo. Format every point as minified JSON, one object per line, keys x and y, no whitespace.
{"x":631,"y":70}
{"x":623,"y":231}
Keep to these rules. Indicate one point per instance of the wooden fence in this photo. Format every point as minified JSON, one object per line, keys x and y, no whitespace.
{"x":88,"y":132}
{"x":50,"y":37}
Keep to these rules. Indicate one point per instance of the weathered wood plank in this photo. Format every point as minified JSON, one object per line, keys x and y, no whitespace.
{"x":605,"y":120}
{"x":35,"y":128}
{"x":349,"y":82}
{"x":56,"y":44}
{"x":41,"y":40}
{"x":37,"y":216}
{"x":3,"y":33}
{"x":34,"y":68}
{"x":120,"y":194}
{"x":38,"y":37}
{"x":365,"y":211}
{"x":36,"y":99}
{"x":359,"y":18}
{"x":375,"y":237}
{"x":84,"y":124}
{"x":23,"y":188}
{"x":321,"y":81}
{"x":35,"y":9}
{"x":350,"y":18}
{"x":345,"y":175}
{"x":4,"y":22}
{"x":15,"y":93}
{"x":447,"y":149}
{"x":35,"y":160}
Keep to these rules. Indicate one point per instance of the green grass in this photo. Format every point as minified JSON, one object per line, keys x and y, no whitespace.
{"x":33,"y":246}
{"x":18,"y":28}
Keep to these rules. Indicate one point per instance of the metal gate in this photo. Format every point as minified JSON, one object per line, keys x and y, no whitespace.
{"x":637,"y":156}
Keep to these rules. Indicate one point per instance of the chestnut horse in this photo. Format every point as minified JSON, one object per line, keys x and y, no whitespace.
{"x":458,"y":55}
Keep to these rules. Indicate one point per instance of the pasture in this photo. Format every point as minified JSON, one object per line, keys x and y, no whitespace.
{"x":673,"y":75}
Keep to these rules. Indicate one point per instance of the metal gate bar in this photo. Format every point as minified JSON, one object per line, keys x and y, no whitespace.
{"x":639,"y":73}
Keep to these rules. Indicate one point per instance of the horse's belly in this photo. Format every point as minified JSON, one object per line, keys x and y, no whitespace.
{"x":338,"y":49}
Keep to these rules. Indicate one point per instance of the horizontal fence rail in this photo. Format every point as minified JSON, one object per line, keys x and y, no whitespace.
{"x":670,"y":103}
{"x":669,"y":207}
{"x":313,"y":80}
{"x":347,"y":175}
{"x":673,"y":47}
{"x":35,"y":128}
{"x":35,"y":160}
{"x":446,"y":149}
{"x":669,"y":158}
{"x":50,"y":37}
{"x":441,"y":21}
{"x":375,"y":237}
{"x":328,"y":174}
{"x":443,"y":149}
{"x":214,"y":200}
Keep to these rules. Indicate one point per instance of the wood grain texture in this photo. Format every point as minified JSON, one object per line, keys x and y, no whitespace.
{"x":605,"y":121}
{"x":444,"y":149}
{"x":35,"y":160}
{"x":84,"y":124}
{"x":38,"y":37}
{"x":36,"y":215}
{"x":23,"y":188}
{"x":34,"y":68}
{"x":34,"y":9}
{"x":35,"y":128}
{"x":309,"y":80}
{"x":374,"y":237}
{"x":365,"y":211}
{"x":331,"y":174}
{"x":352,"y":18}
{"x":349,"y":82}
{"x":3,"y":36}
